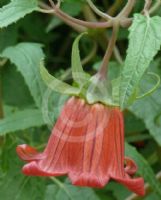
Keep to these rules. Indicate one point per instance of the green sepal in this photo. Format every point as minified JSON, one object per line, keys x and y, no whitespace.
{"x":79,"y":76}
{"x":55,"y":84}
{"x":100,"y":90}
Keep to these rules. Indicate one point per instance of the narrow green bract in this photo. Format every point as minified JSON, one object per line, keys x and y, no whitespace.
{"x":78,"y":74}
{"x":56,"y":84}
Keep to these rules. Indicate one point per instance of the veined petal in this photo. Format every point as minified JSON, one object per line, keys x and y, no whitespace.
{"x":131,"y":166}
{"x":28,"y":153}
{"x":86,"y":176}
{"x":87,"y":143}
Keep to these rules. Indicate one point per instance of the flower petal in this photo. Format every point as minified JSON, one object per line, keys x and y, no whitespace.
{"x":131,"y":166}
{"x":87,"y":143}
{"x":28,"y":153}
{"x":88,"y":180}
{"x":95,"y":165}
{"x":33,"y":169}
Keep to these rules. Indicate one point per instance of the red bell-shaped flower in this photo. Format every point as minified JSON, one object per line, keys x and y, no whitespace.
{"x":87,"y":143}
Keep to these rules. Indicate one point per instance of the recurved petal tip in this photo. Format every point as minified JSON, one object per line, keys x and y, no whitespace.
{"x":28,"y":153}
{"x":131,"y":166}
{"x":136,"y":185}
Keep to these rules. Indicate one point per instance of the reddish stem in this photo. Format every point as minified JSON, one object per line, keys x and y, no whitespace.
{"x":104,"y":66}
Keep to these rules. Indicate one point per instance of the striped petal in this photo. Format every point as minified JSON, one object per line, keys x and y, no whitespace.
{"x":87,"y":144}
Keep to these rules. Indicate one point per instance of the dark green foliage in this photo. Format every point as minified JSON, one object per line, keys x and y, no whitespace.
{"x":30,"y":108}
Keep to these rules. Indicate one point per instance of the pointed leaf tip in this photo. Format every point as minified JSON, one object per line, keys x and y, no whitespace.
{"x":56,"y":84}
{"x":140,"y":53}
{"x":78,"y":73}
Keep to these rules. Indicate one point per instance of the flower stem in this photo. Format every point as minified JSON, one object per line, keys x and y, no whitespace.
{"x":78,"y":21}
{"x":118,"y":55}
{"x":97,"y":11}
{"x":47,"y":9}
{"x":155,"y":6}
{"x":82,"y":25}
{"x":86,"y":24}
{"x":115,"y":6}
{"x":104,"y":66}
{"x":147,"y":7}
{"x":127,"y":9}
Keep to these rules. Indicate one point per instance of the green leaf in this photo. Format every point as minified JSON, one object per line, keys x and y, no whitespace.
{"x":27,"y":58}
{"x":54,"y":23}
{"x":22,"y":188}
{"x":14,"y":185}
{"x":68,"y":5}
{"x":57,"y":85}
{"x":144,"y":169}
{"x":66,"y":191}
{"x":8,"y":37}
{"x":79,"y":75}
{"x":155,"y":87}
{"x":21,"y":120}
{"x":149,"y":108}
{"x":11,"y":77}
{"x":115,"y":90}
{"x":119,"y":191}
{"x":134,"y":124}
{"x":152,"y":196}
{"x":15,"y":10}
{"x":144,"y":43}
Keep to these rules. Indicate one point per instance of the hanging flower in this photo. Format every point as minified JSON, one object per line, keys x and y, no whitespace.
{"x":87,"y":141}
{"x":87,"y":144}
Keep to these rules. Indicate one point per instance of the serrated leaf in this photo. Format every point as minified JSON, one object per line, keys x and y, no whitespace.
{"x":149,"y":108}
{"x":66,"y":191}
{"x":8,"y":37}
{"x":27,"y":58}
{"x":144,"y":169}
{"x":57,"y":85}
{"x":11,"y":77}
{"x":144,"y":43}
{"x":78,"y":73}
{"x":15,"y":10}
{"x":21,"y":120}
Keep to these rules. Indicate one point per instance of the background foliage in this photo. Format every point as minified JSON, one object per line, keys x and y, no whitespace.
{"x":26,"y":37}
